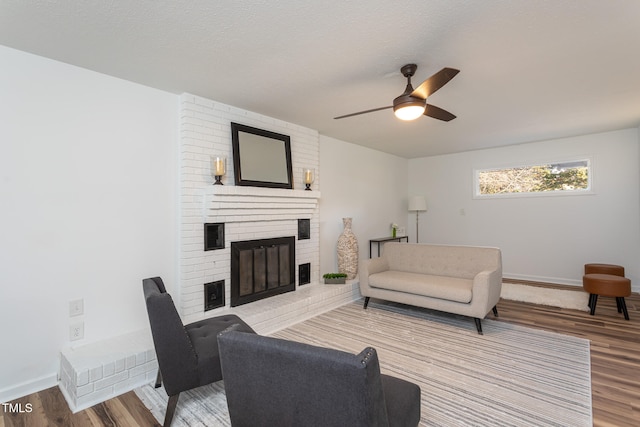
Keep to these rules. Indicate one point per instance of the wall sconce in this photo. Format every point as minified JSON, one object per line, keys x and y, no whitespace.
{"x":218,"y":168}
{"x":307,"y":177}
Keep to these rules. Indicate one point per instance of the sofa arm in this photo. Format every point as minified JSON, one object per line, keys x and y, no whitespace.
{"x":368,"y":267}
{"x":487,"y":286}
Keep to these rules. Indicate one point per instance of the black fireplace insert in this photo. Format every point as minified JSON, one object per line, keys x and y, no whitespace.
{"x":262,"y":268}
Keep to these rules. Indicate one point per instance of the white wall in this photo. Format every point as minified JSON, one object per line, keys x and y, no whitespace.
{"x":542,"y":238}
{"x":364,"y":184}
{"x":88,"y":186}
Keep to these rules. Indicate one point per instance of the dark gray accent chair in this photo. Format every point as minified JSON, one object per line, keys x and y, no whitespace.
{"x":187,"y":354}
{"x":274,"y":382}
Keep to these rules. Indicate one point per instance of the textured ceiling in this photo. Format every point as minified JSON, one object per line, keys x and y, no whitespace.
{"x":530,"y":70}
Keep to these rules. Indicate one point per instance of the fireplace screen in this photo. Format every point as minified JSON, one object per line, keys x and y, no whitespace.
{"x":262,"y":268}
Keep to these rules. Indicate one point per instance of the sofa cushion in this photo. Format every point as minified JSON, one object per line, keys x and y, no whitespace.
{"x":443,"y":287}
{"x":441,"y":260}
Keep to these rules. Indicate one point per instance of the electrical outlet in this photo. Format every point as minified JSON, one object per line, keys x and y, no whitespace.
{"x":76,"y":331}
{"x":76,"y":307}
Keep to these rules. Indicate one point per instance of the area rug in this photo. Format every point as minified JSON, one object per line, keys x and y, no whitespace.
{"x":575,"y":300}
{"x":510,"y":376}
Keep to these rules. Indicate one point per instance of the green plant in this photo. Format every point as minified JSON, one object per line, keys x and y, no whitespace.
{"x":334,"y":275}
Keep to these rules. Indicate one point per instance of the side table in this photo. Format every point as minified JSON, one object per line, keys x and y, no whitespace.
{"x":380,"y":240}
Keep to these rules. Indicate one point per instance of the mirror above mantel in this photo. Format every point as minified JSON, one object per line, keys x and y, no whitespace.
{"x":261,"y":158}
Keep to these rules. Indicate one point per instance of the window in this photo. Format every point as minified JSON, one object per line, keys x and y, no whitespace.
{"x":569,"y":177}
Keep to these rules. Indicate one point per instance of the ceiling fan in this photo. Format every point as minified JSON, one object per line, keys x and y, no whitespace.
{"x":413,"y":103}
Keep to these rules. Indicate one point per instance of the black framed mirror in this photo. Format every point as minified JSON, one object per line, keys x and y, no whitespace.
{"x":261,"y":158}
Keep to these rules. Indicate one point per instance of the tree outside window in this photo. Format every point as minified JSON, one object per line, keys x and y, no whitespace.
{"x":547,"y":178}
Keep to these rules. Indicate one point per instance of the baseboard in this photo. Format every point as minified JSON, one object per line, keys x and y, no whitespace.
{"x":635,"y":288}
{"x":543,"y":279}
{"x":14,"y":392}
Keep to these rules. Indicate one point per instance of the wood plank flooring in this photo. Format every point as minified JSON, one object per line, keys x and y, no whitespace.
{"x":50,"y":409}
{"x":615,"y":370}
{"x":615,"y":350}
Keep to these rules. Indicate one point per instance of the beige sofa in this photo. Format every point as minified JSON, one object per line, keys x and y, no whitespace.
{"x":462,"y":280}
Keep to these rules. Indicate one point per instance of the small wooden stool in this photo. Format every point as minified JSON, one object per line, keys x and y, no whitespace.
{"x":607,"y":285}
{"x":616,"y":270}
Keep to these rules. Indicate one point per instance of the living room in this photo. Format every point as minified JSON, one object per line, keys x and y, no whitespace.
{"x":91,"y":181}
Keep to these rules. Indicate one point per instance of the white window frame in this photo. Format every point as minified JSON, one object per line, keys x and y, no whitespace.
{"x":587,"y":191}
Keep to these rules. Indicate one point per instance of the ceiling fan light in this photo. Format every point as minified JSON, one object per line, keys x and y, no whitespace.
{"x":409,"y":112}
{"x":407,"y":107}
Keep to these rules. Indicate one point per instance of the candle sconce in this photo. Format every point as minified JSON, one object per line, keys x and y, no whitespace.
{"x":218,"y":168}
{"x":307,"y":178}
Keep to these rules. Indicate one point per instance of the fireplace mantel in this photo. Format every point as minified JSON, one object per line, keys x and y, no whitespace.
{"x":249,"y":204}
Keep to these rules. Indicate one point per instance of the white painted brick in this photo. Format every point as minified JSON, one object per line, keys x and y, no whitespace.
{"x":205,"y":130}
{"x":109,"y":369}
{"x":143,"y":369}
{"x":65,"y":367}
{"x":151,"y":376}
{"x":113,"y":379}
{"x":141,"y":358}
{"x":85,"y":389}
{"x":95,"y":374}
{"x":130,"y":362}
{"x":82,"y":378}
{"x":131,"y":383}
{"x":96,"y":396}
{"x":120,"y":365}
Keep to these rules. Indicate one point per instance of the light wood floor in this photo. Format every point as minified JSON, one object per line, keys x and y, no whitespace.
{"x":615,"y":350}
{"x":50,"y":409}
{"x":615,"y":370}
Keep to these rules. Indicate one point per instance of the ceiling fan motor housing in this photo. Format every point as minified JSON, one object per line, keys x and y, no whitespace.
{"x":408,"y":101}
{"x":414,"y":106}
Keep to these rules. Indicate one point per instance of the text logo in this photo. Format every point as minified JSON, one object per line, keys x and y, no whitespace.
{"x":17,"y":408}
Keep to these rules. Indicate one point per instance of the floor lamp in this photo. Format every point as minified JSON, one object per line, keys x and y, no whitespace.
{"x":417,"y":204}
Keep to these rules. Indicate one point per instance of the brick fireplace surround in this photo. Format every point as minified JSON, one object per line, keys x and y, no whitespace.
{"x":93,"y":373}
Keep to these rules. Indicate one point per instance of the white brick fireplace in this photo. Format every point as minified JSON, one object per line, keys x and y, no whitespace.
{"x":248,"y":213}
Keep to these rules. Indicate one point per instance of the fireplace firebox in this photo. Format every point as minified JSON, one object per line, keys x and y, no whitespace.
{"x":262,"y":268}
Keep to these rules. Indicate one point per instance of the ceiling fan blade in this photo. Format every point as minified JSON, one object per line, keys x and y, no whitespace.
{"x":434,"y":82}
{"x":363,"y":112}
{"x":438,"y":113}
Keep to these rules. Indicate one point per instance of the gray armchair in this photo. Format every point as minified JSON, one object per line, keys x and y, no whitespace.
{"x":187,"y":354}
{"x":274,"y":382}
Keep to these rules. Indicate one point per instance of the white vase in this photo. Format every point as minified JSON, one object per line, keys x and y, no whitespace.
{"x":348,"y":251}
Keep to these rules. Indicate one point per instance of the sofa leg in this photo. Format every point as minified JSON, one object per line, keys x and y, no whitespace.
{"x":478,"y":325}
{"x":495,"y":310}
{"x":171,"y":409}
{"x":366,"y":302}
